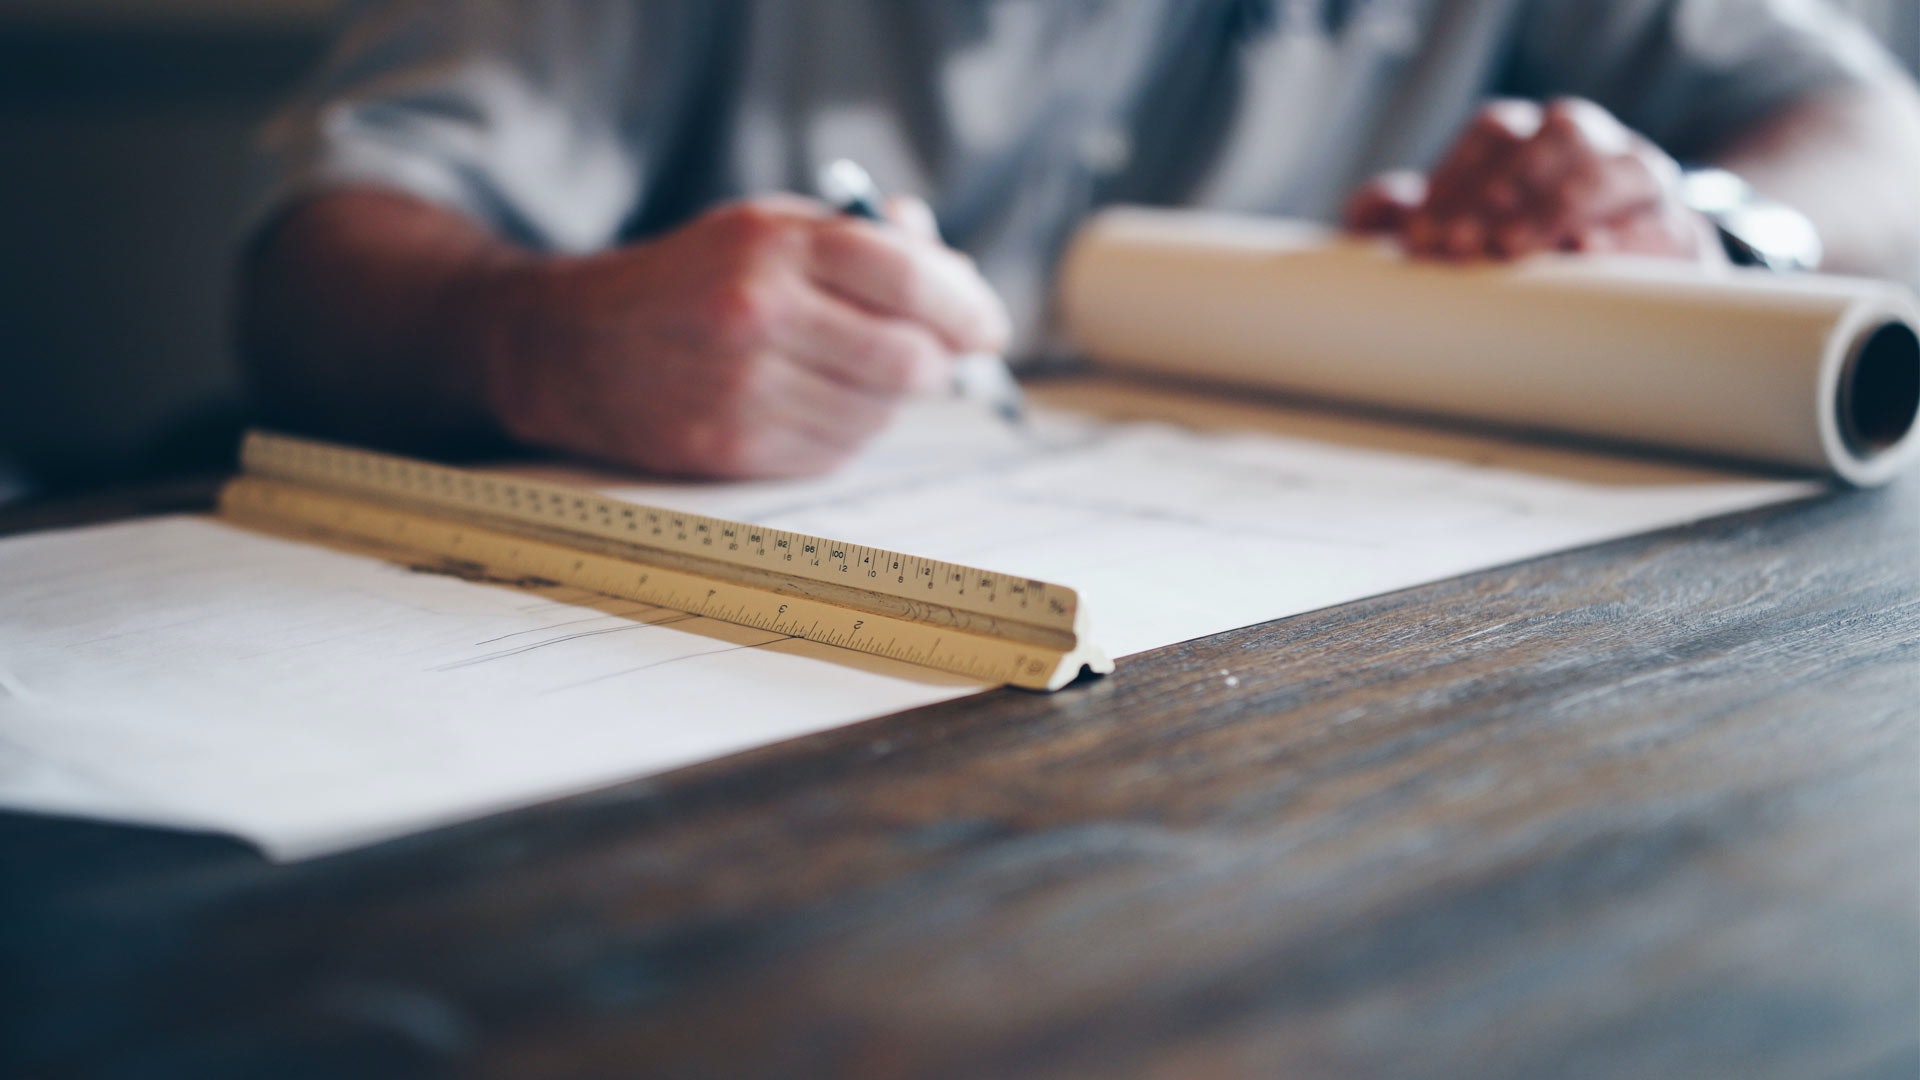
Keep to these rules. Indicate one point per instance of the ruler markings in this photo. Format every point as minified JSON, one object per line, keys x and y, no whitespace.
{"x":1000,"y":635}
{"x":306,"y":461}
{"x":988,"y":659}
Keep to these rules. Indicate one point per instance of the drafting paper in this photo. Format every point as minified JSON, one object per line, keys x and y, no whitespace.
{"x":184,"y":672}
{"x":1812,"y":371}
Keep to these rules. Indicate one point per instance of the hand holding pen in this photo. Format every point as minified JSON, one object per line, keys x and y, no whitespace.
{"x":767,"y":337}
{"x":979,"y":376}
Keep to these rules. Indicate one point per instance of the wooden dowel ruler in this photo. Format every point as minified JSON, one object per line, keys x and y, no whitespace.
{"x":985,"y":625}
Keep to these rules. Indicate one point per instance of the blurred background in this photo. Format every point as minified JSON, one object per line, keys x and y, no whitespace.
{"x":125,"y":128}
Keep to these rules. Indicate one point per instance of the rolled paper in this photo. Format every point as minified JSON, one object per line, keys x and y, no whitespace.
{"x":1809,"y":372}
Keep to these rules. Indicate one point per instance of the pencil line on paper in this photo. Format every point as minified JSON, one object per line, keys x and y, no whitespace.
{"x":504,"y":654}
{"x":917,"y":482}
{"x":669,"y":660}
{"x":569,"y":622}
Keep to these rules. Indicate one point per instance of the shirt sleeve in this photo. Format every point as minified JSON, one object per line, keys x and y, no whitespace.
{"x":1690,"y":73}
{"x":517,"y":114}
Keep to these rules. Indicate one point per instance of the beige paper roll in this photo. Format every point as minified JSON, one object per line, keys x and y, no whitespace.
{"x":1809,"y":372}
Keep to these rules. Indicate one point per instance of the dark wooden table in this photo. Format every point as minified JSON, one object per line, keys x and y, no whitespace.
{"x":1646,"y":809}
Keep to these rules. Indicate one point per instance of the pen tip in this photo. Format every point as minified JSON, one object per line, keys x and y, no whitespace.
{"x":843,"y":182}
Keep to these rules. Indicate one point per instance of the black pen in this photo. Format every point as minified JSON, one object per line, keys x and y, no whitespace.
{"x":976,"y":376}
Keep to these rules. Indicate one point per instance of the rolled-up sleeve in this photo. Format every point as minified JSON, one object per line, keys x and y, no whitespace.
{"x":1691,"y":73}
{"x":519,"y":115}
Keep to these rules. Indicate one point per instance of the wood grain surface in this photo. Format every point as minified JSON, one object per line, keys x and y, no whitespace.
{"x":1645,"y":809}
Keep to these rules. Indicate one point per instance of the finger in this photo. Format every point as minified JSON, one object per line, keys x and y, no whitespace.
{"x":1384,"y":203}
{"x":1587,"y":124}
{"x":777,"y":204}
{"x":1566,"y":167}
{"x":915,"y":216}
{"x":788,"y":422}
{"x":1580,"y":167}
{"x":1585,"y":170}
{"x":1609,"y":188}
{"x":1555,"y":175}
{"x":824,"y":412}
{"x":746,"y":235}
{"x":897,"y":275}
{"x":1463,"y":192}
{"x":1462,"y":223}
{"x":883,"y":357}
{"x":1665,"y":232}
{"x":1494,"y":133}
{"x":1543,"y":174}
{"x":780,"y":454}
{"x":1594,"y":240}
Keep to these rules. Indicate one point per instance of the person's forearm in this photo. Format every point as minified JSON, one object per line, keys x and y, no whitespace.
{"x":1850,"y":161}
{"x":361,"y":319}
{"x":766,"y":337}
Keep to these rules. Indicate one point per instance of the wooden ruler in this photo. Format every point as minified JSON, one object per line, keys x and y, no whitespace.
{"x":985,"y":625}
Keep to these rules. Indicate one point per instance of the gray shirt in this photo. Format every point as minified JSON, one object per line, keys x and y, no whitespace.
{"x":570,"y":126}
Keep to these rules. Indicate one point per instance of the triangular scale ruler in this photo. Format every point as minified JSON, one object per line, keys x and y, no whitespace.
{"x":994,"y":627}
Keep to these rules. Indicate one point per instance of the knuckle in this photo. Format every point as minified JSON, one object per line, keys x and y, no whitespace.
{"x":1569,"y":107}
{"x":1585,"y":123}
{"x":913,"y":287}
{"x":902,"y":281}
{"x":1657,"y":167}
{"x":909,"y":289}
{"x":743,"y":314}
{"x":1506,"y":120}
{"x":750,"y":231}
{"x":1491,"y":120}
{"x":896,"y":360}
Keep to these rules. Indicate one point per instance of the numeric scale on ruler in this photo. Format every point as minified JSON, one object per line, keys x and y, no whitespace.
{"x":985,"y":625}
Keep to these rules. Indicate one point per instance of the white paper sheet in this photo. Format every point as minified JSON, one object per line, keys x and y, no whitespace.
{"x":184,"y":672}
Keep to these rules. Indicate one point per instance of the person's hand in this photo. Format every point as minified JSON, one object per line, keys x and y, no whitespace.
{"x":766,"y":338}
{"x":1523,"y":178}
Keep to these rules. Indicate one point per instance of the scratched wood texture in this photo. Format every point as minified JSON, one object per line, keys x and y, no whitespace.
{"x":1646,"y":809}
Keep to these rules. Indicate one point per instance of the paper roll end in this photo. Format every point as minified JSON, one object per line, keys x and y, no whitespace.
{"x":1879,"y":396}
